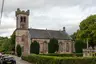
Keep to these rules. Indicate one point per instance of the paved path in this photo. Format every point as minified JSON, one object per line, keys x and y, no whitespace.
{"x":20,"y":61}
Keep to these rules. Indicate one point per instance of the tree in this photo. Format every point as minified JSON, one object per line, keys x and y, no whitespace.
{"x":53,"y":45}
{"x":79,"y":46}
{"x":6,"y":45}
{"x":12,"y":41}
{"x":34,"y":47}
{"x":87,"y":30}
{"x":73,"y":36}
{"x":19,"y":50}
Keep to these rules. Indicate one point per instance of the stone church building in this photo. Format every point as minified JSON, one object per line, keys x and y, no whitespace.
{"x":25,"y":35}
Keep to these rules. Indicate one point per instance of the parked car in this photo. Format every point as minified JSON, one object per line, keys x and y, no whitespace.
{"x":7,"y":60}
{"x":0,"y":54}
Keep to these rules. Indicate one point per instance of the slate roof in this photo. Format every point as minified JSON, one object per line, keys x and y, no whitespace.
{"x":48,"y":34}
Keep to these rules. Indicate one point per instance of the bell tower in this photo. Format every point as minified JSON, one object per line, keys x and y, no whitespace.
{"x":22,"y":33}
{"x":22,"y":19}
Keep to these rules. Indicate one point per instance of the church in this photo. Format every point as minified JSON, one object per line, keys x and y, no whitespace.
{"x":25,"y":35}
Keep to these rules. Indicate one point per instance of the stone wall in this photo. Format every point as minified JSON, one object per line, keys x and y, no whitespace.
{"x":22,"y":38}
{"x":65,"y":46}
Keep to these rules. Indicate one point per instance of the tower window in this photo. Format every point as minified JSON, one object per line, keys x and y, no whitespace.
{"x":24,"y":18}
{"x":21,"y":19}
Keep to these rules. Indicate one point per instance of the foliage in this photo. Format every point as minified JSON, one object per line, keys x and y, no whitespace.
{"x":64,"y":55}
{"x":73,"y":36}
{"x":79,"y":46}
{"x":5,"y":44}
{"x":53,"y":45}
{"x":87,"y":31}
{"x":34,"y":48}
{"x":39,"y":59}
{"x":18,"y":50}
{"x":12,"y":41}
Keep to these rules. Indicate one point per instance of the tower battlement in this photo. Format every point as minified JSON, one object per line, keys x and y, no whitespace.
{"x":22,"y":12}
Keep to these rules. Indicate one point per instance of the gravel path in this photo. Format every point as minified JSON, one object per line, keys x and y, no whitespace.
{"x":20,"y":61}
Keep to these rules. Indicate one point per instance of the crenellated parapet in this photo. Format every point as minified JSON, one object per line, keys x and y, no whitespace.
{"x":22,"y":12}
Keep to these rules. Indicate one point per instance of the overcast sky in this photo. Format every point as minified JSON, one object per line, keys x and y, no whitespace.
{"x":50,"y":14}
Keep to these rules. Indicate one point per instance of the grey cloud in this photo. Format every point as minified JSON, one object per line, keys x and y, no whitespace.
{"x":50,"y":14}
{"x":7,"y":27}
{"x":45,"y":4}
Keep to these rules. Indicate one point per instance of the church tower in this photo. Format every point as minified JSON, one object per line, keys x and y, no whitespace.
{"x":22,"y":33}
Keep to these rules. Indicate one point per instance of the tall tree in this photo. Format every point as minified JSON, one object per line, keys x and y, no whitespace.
{"x":19,"y":50}
{"x":53,"y":45}
{"x":34,"y":47}
{"x":12,"y":41}
{"x":79,"y":46}
{"x":88,"y":30}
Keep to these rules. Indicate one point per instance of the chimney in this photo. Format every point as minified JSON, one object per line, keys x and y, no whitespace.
{"x":64,"y":29}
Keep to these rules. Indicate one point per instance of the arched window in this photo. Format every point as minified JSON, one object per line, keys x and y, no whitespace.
{"x":21,"y":19}
{"x":67,"y":47}
{"x":61,"y":47}
{"x":24,"y":19}
{"x":45,"y":47}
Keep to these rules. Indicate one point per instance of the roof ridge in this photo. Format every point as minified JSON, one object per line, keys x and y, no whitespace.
{"x":43,"y":29}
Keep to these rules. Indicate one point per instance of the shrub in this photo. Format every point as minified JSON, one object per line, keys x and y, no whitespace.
{"x":79,"y":46}
{"x":39,"y":59}
{"x":64,"y":55}
{"x":53,"y":45}
{"x":34,"y":48}
{"x":58,"y":55}
{"x":18,"y":50}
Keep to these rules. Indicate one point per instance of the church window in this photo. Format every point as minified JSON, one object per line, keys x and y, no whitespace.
{"x":21,"y":19}
{"x":45,"y":46}
{"x":67,"y":47}
{"x":24,"y":19}
{"x":61,"y":46}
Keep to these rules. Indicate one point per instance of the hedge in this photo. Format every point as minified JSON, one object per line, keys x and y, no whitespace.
{"x":40,"y":59}
{"x":64,"y":55}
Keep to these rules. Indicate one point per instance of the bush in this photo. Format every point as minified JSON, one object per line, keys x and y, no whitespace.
{"x":39,"y":59}
{"x":18,"y":50}
{"x":79,"y":46}
{"x":64,"y":55}
{"x":34,"y":48}
{"x":79,"y":54}
{"x":53,"y":45}
{"x":58,"y":55}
